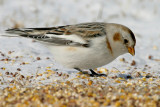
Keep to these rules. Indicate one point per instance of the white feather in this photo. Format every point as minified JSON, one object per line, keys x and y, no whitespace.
{"x":73,"y":38}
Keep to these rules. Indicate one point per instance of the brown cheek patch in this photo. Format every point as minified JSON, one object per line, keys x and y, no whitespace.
{"x":71,"y":49}
{"x":116,"y":37}
{"x":109,"y":46}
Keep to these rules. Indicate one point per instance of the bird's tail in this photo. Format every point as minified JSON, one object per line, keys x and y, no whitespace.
{"x":25,"y":32}
{"x":14,"y":33}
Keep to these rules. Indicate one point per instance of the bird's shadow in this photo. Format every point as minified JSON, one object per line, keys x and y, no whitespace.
{"x":125,"y":76}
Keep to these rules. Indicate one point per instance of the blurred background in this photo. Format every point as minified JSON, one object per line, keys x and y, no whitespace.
{"x":141,"y":16}
{"x":37,"y":13}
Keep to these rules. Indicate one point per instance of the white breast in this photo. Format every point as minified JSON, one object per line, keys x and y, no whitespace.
{"x":84,"y":58}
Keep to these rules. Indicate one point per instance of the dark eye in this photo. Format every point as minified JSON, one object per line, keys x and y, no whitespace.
{"x":125,"y":41}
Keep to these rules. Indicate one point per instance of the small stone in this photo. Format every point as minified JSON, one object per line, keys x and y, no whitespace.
{"x":7,"y":73}
{"x":60,"y":74}
{"x":47,"y":58}
{"x":23,"y":63}
{"x":148,"y":75}
{"x":3,"y":68}
{"x":18,"y":69}
{"x":38,"y":58}
{"x":9,"y":52}
{"x":114,"y":77}
{"x":12,"y":81}
{"x":2,"y":59}
{"x":2,"y":54}
{"x":133,"y":63}
{"x":22,"y":76}
{"x":150,"y":57}
{"x":122,"y":59}
{"x":6,"y":59}
{"x":138,"y":74}
{"x":14,"y":75}
{"x":90,"y":82}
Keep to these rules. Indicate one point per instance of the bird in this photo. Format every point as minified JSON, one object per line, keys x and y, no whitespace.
{"x":83,"y":46}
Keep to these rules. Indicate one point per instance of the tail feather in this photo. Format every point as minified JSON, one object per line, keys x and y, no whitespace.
{"x":17,"y":31}
{"x":13,"y":33}
{"x":33,"y":33}
{"x":24,"y":32}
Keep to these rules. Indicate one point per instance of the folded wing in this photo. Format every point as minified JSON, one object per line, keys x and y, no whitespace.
{"x":70,"y":35}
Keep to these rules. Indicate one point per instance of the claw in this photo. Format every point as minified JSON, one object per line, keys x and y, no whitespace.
{"x":94,"y":74}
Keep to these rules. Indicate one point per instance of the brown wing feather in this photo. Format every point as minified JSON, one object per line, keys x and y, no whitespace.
{"x":84,"y":30}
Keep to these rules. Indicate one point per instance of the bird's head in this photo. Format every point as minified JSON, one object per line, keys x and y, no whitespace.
{"x":122,"y":39}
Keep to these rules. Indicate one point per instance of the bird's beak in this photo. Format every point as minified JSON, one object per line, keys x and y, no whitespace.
{"x":131,"y":50}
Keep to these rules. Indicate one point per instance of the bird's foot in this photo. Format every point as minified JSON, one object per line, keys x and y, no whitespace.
{"x":80,"y":71}
{"x":94,"y":74}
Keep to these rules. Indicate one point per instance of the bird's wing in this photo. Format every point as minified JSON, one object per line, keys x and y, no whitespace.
{"x":69,"y":35}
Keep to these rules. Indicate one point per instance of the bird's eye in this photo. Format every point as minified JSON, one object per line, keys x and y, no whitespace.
{"x":125,"y":41}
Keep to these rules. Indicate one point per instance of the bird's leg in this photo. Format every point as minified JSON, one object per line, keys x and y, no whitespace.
{"x":78,"y":69}
{"x":94,"y":74}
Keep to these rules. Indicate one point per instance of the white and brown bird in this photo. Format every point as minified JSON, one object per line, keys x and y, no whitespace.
{"x":83,"y":46}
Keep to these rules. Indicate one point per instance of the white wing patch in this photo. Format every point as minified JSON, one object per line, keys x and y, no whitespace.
{"x":73,"y":38}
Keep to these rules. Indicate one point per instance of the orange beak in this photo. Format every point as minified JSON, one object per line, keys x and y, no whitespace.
{"x":131,"y":50}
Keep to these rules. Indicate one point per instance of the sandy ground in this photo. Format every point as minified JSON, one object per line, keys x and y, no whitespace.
{"x":29,"y":76}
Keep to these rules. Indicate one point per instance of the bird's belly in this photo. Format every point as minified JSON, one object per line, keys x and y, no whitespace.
{"x":83,"y":58}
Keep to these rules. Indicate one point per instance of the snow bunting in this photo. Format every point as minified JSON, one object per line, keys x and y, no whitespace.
{"x":83,"y":46}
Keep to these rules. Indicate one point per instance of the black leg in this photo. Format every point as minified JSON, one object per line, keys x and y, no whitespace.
{"x":78,"y":69}
{"x":94,"y":74}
